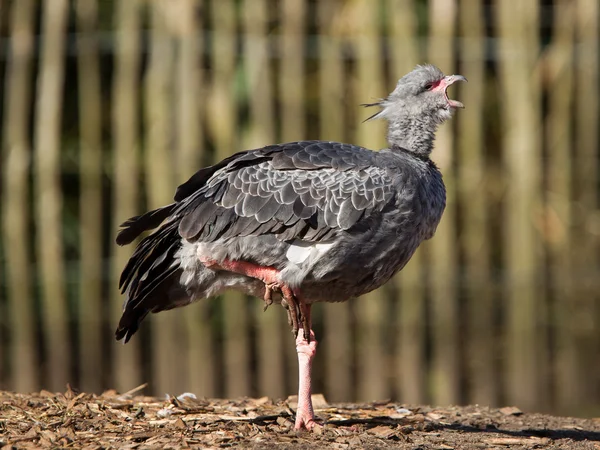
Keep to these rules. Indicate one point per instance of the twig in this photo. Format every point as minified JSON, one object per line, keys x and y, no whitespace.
{"x":132,"y":391}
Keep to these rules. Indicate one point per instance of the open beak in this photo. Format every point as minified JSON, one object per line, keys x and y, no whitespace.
{"x":447,"y":82}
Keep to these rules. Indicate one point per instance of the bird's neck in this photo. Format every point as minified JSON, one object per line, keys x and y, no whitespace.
{"x":415,"y":135}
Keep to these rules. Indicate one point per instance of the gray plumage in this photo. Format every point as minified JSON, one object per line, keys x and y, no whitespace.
{"x":337,"y":220}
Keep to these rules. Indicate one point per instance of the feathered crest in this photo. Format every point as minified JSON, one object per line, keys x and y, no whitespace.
{"x":368,"y":105}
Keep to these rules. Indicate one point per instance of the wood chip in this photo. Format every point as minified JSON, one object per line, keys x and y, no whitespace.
{"x":318,"y":401}
{"x":261,"y":401}
{"x":511,"y":411}
{"x":283,"y":422}
{"x":47,"y":420}
{"x":180,"y":424}
{"x":317,"y":429}
{"x":383,"y":432}
{"x":518,"y":441}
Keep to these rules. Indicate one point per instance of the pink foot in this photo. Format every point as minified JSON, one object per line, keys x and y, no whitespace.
{"x":305,"y":416}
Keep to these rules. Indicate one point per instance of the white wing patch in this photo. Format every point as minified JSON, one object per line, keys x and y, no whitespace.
{"x":300,"y":251}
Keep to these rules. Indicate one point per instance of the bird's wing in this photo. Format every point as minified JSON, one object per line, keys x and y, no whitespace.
{"x":307,"y":190}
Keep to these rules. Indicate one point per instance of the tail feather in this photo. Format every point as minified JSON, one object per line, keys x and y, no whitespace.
{"x":151,"y":278}
{"x":167,"y":295}
{"x":155,"y":245}
{"x":133,"y":227}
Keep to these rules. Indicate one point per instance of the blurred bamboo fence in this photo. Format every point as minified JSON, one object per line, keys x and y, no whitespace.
{"x":107,"y":106}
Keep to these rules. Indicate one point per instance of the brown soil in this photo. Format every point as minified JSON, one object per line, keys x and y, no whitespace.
{"x":71,"y":420}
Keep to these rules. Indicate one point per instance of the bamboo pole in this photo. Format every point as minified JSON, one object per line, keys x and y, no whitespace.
{"x":189,"y":90}
{"x":372,"y":382}
{"x":471,"y":191}
{"x":224,"y":131}
{"x":445,"y":363}
{"x":271,"y":328}
{"x":586,"y":238}
{"x":158,"y":92}
{"x":291,"y":93}
{"x":568,"y":387}
{"x":409,"y":358}
{"x":15,"y":200}
{"x":49,"y":195}
{"x":4,"y":352}
{"x":200,"y":377}
{"x":90,"y":200}
{"x":520,"y":112}
{"x":337,"y":327}
{"x":125,"y":123}
{"x":291,"y":72}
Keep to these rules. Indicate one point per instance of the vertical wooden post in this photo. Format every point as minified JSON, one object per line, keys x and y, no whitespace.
{"x":585,"y":238}
{"x":291,"y":93}
{"x":518,"y":24}
{"x":271,"y":329}
{"x":338,"y":334}
{"x":409,"y":368}
{"x":15,"y":200}
{"x":224,"y":130}
{"x":48,"y":194}
{"x":189,"y":92}
{"x":189,"y":89}
{"x":445,"y":363}
{"x":90,"y":200}
{"x":291,"y":71}
{"x":481,"y":348}
{"x":558,"y":214}
{"x":158,"y":157}
{"x":126,"y":161}
{"x":372,"y":370}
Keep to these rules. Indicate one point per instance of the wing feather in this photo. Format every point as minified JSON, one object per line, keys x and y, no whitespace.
{"x":309,"y":189}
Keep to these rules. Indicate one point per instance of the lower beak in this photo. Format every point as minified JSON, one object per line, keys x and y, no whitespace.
{"x":448,"y":81}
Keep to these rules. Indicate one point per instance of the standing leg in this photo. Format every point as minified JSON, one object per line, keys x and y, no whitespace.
{"x":307,"y":349}
{"x":298,"y":311}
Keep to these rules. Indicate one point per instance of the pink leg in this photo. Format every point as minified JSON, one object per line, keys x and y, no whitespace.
{"x":269,"y":276}
{"x":306,"y":344}
{"x":305,"y":416}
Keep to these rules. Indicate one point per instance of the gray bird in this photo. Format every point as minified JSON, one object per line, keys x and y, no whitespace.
{"x":297,"y":223}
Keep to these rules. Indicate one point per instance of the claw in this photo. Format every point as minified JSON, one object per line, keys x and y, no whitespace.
{"x":268,"y":298}
{"x":305,"y":318}
{"x":292,"y":307}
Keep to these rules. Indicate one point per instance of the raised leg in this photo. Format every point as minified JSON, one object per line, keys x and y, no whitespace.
{"x":269,"y":276}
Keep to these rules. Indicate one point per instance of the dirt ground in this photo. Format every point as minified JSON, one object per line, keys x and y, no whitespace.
{"x":79,"y":420}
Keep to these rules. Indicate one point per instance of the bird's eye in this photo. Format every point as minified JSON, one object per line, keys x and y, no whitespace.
{"x":429,"y":86}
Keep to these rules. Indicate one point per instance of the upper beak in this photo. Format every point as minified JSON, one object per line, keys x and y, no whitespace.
{"x":449,"y":80}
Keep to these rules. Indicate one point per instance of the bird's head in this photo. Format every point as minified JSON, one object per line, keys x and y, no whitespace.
{"x":420,"y":94}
